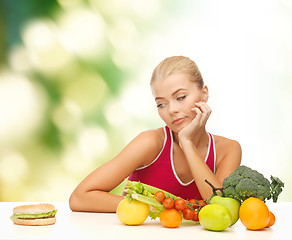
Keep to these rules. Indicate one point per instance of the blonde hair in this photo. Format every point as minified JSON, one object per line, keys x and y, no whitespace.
{"x":177,"y":64}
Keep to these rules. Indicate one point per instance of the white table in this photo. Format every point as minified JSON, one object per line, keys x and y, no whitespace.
{"x":78,"y":225}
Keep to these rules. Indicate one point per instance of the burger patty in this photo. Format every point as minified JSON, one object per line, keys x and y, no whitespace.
{"x":37,"y":218}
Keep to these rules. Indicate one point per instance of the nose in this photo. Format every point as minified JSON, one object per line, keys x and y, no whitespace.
{"x":173,"y":108}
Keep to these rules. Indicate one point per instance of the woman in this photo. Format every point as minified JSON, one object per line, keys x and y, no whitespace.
{"x":177,"y":158}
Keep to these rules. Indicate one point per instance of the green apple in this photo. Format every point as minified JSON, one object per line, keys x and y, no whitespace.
{"x":230,"y":203}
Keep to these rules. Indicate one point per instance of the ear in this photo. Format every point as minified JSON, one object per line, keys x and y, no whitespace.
{"x":205,"y":93}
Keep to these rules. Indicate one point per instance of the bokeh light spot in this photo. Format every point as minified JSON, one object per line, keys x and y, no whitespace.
{"x":87,"y":91}
{"x":93,"y":142}
{"x":116,"y":114}
{"x":46,"y":49}
{"x":67,"y":116}
{"x":84,"y":31}
{"x":13,"y":167}
{"x":22,"y":105}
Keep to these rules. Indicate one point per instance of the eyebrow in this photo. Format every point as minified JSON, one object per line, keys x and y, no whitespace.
{"x":175,"y":92}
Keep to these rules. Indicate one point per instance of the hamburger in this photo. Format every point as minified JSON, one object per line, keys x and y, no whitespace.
{"x":34,"y":215}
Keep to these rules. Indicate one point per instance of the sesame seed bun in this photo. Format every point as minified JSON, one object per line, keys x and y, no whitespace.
{"x":34,"y":209}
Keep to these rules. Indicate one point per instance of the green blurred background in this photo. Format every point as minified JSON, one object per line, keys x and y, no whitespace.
{"x":74,"y":83}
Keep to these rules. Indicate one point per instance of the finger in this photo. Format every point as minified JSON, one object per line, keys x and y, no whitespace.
{"x":202,"y":107}
{"x":194,"y":109}
{"x":199,"y":113}
{"x":205,"y":113}
{"x":205,"y":108}
{"x":208,"y":109}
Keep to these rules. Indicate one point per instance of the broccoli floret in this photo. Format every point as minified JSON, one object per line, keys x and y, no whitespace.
{"x":263,"y":192}
{"x":246,"y":188}
{"x":233,"y":179}
{"x":230,"y":192}
{"x":244,"y":182}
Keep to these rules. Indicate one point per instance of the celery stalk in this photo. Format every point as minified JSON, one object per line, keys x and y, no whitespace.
{"x":145,"y":193}
{"x":148,"y":200}
{"x":142,"y":186}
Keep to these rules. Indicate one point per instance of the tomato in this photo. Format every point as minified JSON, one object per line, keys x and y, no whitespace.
{"x":159,"y":196}
{"x":202,"y":202}
{"x":191,"y":204}
{"x":194,"y":204}
{"x":168,"y":203}
{"x":196,"y":216}
{"x":193,"y":201}
{"x":188,"y":214}
{"x":180,"y":204}
{"x":170,"y":218}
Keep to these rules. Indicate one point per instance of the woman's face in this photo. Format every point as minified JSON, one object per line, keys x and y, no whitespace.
{"x":175,"y":95}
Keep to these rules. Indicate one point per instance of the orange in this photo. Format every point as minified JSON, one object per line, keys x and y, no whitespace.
{"x":170,"y":218}
{"x":254,"y":214}
{"x":272,"y":220}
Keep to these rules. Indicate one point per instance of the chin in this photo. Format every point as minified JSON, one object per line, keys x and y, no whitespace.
{"x":176,"y":129}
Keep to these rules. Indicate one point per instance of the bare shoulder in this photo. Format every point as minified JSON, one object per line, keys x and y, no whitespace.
{"x":155,"y":136}
{"x":152,"y":142}
{"x":153,"y":139}
{"x":226,"y":142}
{"x":226,"y":147}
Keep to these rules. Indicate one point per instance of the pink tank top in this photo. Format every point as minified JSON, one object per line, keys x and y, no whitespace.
{"x":161,"y":173}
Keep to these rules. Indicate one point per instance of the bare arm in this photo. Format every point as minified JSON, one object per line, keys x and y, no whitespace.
{"x":92,"y":194}
{"x":231,"y":153}
{"x":200,"y":171}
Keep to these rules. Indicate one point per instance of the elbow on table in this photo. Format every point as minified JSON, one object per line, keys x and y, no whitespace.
{"x":74,"y":202}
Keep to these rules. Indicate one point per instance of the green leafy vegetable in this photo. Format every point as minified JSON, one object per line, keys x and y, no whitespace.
{"x":145,"y":193}
{"x":244,"y":182}
{"x":41,"y":215}
{"x":276,"y":188}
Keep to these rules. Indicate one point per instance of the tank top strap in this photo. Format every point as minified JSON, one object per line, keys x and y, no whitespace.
{"x":211,"y":159}
{"x":167,"y":147}
{"x":168,"y":136}
{"x":165,"y":152}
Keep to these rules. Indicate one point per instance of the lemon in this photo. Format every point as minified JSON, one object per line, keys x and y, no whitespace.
{"x":132,"y":213}
{"x":215,"y":217}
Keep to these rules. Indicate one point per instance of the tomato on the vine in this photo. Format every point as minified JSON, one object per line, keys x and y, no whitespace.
{"x":191,"y":204}
{"x":202,"y":202}
{"x":188,"y":214}
{"x":196,"y":216}
{"x":194,"y":204}
{"x":159,"y":196}
{"x":168,"y":203}
{"x":180,"y":204}
{"x":193,"y":201}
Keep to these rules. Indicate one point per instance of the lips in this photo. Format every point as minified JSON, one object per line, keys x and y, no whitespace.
{"x":178,"y":121}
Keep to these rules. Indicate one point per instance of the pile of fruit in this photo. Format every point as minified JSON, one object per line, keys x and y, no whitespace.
{"x":177,"y":209}
{"x":217,"y":214}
